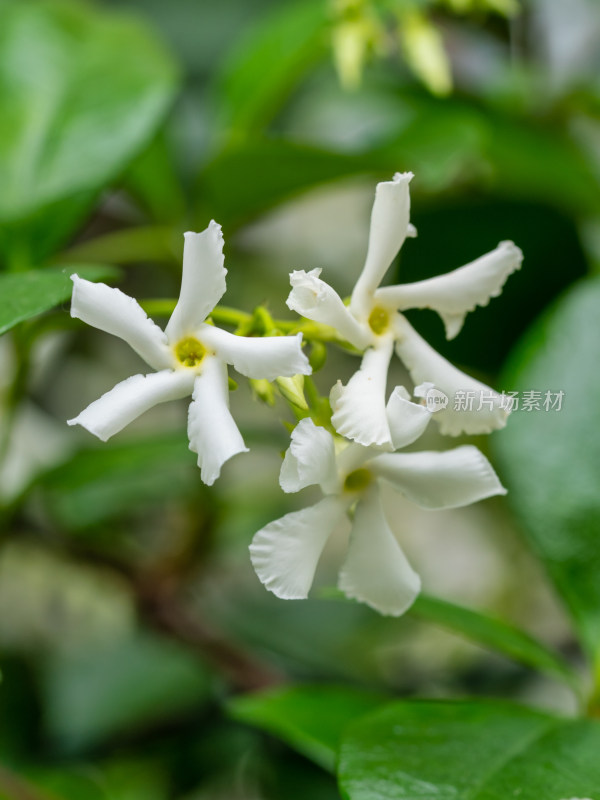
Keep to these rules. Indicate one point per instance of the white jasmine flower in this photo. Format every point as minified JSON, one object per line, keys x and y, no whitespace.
{"x":190,"y":357}
{"x":373,"y":323}
{"x":285,"y":553}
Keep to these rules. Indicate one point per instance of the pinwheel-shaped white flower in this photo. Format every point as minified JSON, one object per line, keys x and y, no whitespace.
{"x":285,"y":552}
{"x":190,"y":356}
{"x":373,"y":322}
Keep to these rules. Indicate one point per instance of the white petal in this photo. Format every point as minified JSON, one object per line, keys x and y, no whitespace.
{"x":407,"y":420}
{"x":455,"y":294}
{"x":448,"y":479}
{"x":130,"y":398}
{"x":353,"y":456}
{"x":202,"y":281}
{"x":213,"y":434}
{"x":359,"y":407}
{"x":389,"y":228}
{"x":285,"y":553}
{"x":376,"y":570}
{"x":314,"y":299}
{"x":309,"y":459}
{"x":422,"y":389}
{"x":113,"y":311}
{"x":472,"y":406}
{"x":266,"y":357}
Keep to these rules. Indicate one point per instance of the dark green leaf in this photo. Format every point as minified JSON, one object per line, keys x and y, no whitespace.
{"x":541,"y":162}
{"x":148,"y":243}
{"x":82,"y":91}
{"x":493,"y":634}
{"x":461,"y":142}
{"x":551,"y":459}
{"x":26,"y":294}
{"x":265,"y":173}
{"x":468,"y":751}
{"x":83,"y":783}
{"x":309,"y":718}
{"x":127,"y":684}
{"x":153,"y":180}
{"x":136,"y":780}
{"x":100,"y":483}
{"x":446,"y":144}
{"x":260,"y":73}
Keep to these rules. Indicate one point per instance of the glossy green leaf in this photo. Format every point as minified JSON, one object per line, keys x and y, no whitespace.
{"x":261,"y":71}
{"x":493,"y":634}
{"x":468,"y":751}
{"x":550,"y":459}
{"x":26,"y":294}
{"x":309,"y":718}
{"x":82,"y":91}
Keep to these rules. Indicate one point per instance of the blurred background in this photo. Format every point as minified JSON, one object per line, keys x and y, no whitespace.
{"x":129,"y":613}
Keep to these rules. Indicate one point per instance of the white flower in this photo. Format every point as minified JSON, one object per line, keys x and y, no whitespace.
{"x":373,"y":321}
{"x":190,"y":356}
{"x":285,"y":553}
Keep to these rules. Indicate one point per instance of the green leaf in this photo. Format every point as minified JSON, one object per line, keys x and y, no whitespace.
{"x":262,"y":70}
{"x":447,"y":145}
{"x":542,"y":162}
{"x":120,"y":687}
{"x":26,"y":294}
{"x":265,"y":173}
{"x":100,"y":483}
{"x":147,"y":243}
{"x":153,"y":180}
{"x":495,"y":635}
{"x":82,"y":91}
{"x":141,"y":779}
{"x":550,"y":460}
{"x":82,"y":782}
{"x":468,"y":751}
{"x":309,"y":718}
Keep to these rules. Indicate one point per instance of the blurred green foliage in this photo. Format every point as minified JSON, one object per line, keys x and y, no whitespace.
{"x":128,"y":617}
{"x":553,"y":479}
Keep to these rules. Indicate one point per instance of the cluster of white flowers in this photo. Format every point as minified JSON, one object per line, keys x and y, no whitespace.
{"x":191,"y":357}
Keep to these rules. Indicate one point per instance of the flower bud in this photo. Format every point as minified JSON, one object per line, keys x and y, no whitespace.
{"x":292,"y":390}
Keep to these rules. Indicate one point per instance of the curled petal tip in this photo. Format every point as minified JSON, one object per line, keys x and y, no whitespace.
{"x":511,"y":247}
{"x":399,"y":177}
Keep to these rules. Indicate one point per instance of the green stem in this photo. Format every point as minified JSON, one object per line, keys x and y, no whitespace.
{"x":260,"y":322}
{"x":265,"y":321}
{"x":224,"y":315}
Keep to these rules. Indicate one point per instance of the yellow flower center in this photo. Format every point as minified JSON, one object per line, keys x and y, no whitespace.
{"x":379,"y":319}
{"x":358,"y":480}
{"x":189,"y":351}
